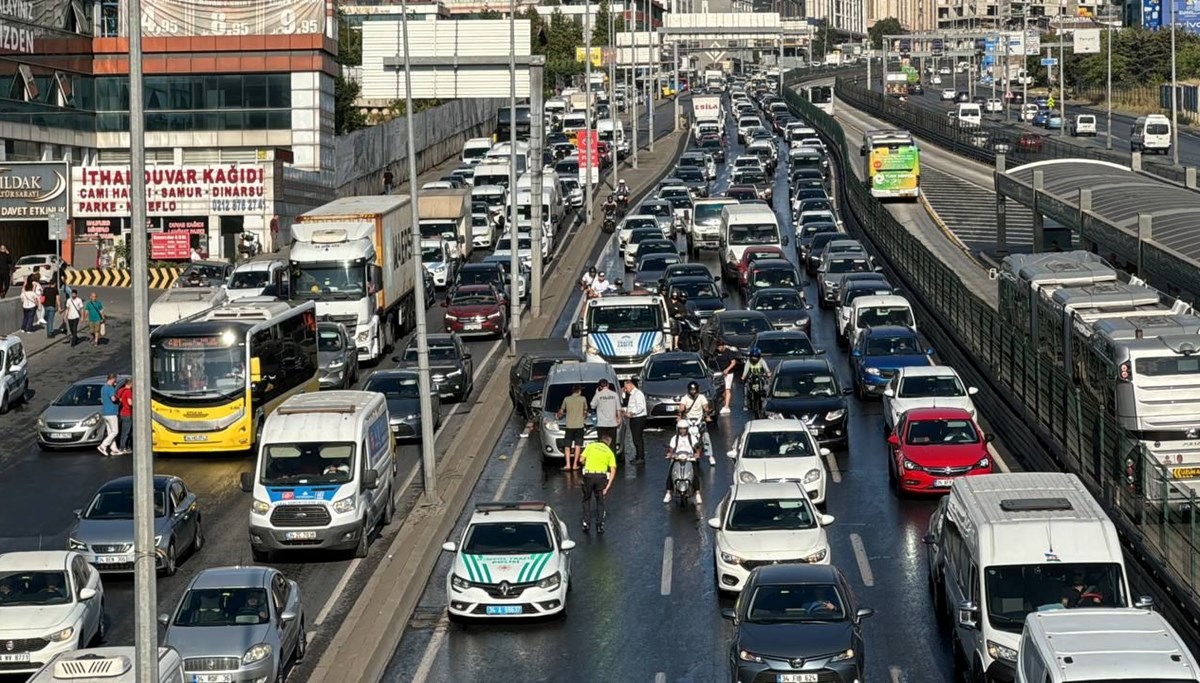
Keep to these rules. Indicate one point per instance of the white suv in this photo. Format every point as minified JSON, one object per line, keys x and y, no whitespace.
{"x":780,"y":450}
{"x":513,"y":560}
{"x":926,"y":386}
{"x":1083,"y":124}
{"x":51,"y":601}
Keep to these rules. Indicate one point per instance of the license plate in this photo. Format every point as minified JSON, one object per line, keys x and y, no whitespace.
{"x":797,"y":678}
{"x":110,"y":559}
{"x":507,"y":609}
{"x":300,"y":535}
{"x":20,"y":657}
{"x":60,"y":437}
{"x":195,"y":437}
{"x":1185,"y":472}
{"x":217,"y":678}
{"x":943,"y":483}
{"x":472,"y":326}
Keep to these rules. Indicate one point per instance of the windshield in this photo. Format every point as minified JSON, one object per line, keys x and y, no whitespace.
{"x":770,"y":515}
{"x":642,"y":223}
{"x":472,"y":298}
{"x":33,"y":588}
{"x":689,"y":173}
{"x":892,"y":345}
{"x":31,"y":260}
{"x":656,"y":246}
{"x":749,"y":178}
{"x":675,"y":369}
{"x":81,"y":395}
{"x":931,"y":432}
{"x":554,"y":394}
{"x":766,"y":233}
{"x":118,"y":504}
{"x":223,"y":607}
{"x":942,"y":386}
{"x":696,"y":290}
{"x":796,"y":603}
{"x":431,"y":254}
{"x":436,"y":352}
{"x":656,"y":209}
{"x":851,"y":293}
{"x":656,"y":262}
{"x":478,"y":276}
{"x":777,"y":445}
{"x":775,"y":277}
{"x":1166,"y":366}
{"x":885,"y":315}
{"x":287,"y":464}
{"x":779,"y":301}
{"x":475,"y":152}
{"x":250,"y":279}
{"x":679,"y":201}
{"x":523,"y":244}
{"x":329,"y":339}
{"x":395,"y":386}
{"x":785,"y":346}
{"x":617,"y":319}
{"x":491,"y":199}
{"x":329,"y":280}
{"x":1013,"y":591}
{"x":507,"y":538}
{"x":848,"y":265}
{"x":707,"y":214}
{"x":207,"y":366}
{"x":804,"y":385}
{"x":744,"y":326}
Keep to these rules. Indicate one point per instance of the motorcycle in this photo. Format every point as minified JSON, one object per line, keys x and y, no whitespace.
{"x":689,"y":333}
{"x":682,"y":464}
{"x":622,"y":204}
{"x":610,"y":223}
{"x":756,"y":392}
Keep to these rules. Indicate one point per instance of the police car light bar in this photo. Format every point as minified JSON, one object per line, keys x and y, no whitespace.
{"x":527,"y":505}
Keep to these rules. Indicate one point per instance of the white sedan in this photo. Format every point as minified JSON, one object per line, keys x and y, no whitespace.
{"x":948,"y":94}
{"x":928,"y":386}
{"x":780,"y":450}
{"x":51,"y":601}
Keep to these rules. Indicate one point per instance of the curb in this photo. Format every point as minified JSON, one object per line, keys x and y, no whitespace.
{"x":937,"y":220}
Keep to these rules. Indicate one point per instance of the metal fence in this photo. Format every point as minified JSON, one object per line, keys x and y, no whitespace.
{"x":981,"y":143}
{"x":1081,"y":437}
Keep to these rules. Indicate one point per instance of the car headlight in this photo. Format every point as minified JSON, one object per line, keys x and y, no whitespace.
{"x":256,"y":653}
{"x":337,"y":365}
{"x":843,"y":656}
{"x":818,"y":556}
{"x":439,"y":268}
{"x":910,"y":465}
{"x":747,"y":477}
{"x":998,"y":651}
{"x":72,"y":544}
{"x":459,"y":582}
{"x":453,"y":318}
{"x":835,"y":414}
{"x":414,"y":416}
{"x":551,"y":424}
{"x":66,"y":633}
{"x":41,"y":421}
{"x":260,"y":507}
{"x":984,"y":462}
{"x":550,"y":582}
{"x":812,"y":475}
{"x":344,"y":505}
{"x":454,"y":373}
{"x":362,"y":336}
{"x":872,"y":371}
{"x":828,"y":283}
{"x":746,"y":656}
{"x":92,"y":421}
{"x":494,"y":315}
{"x":730,"y":559}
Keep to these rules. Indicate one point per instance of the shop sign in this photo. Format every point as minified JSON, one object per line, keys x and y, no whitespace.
{"x":97,"y":227}
{"x":33,"y":190}
{"x":170,"y":246}
{"x":236,"y":190}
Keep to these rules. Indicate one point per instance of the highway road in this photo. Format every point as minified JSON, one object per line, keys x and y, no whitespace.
{"x":42,"y":489}
{"x":644,"y":605}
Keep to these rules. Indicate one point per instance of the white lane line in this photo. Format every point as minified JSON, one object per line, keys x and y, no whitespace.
{"x":860,"y":555}
{"x":999,"y":461}
{"x":508,"y":471}
{"x":431,"y":650}
{"x":337,"y":591}
{"x":897,"y":674}
{"x":834,"y":471}
{"x":660,"y":677}
{"x":668,"y":551}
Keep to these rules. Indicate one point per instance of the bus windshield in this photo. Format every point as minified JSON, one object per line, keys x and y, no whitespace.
{"x":1013,"y":591}
{"x":210,"y":366}
{"x":618,"y":319}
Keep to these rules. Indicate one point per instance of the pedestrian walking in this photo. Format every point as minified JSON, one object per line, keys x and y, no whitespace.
{"x":727,"y":361}
{"x":6,"y":264}
{"x":574,"y":407}
{"x":74,"y":312}
{"x":599,"y":472}
{"x":96,"y":318}
{"x":389,"y":181}
{"x":125,"y":416}
{"x":607,"y":406}
{"x":110,"y":410}
{"x":50,"y":306}
{"x":29,"y":306}
{"x":635,"y":411}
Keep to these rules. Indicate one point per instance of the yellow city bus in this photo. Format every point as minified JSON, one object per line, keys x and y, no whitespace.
{"x":216,"y":375}
{"x":893,"y":164}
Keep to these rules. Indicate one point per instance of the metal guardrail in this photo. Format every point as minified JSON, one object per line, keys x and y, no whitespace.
{"x":1035,"y":393}
{"x":981,"y":143}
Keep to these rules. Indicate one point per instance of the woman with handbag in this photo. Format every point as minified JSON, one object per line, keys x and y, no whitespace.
{"x":29,"y":306}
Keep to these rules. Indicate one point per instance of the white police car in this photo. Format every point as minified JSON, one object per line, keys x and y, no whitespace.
{"x":513,"y":561}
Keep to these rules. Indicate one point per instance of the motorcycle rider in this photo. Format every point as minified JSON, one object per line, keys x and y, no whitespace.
{"x":758,"y":370}
{"x":585,"y":282}
{"x":683,"y":440}
{"x":695,"y":406}
{"x":610,"y":206}
{"x":600,"y":286}
{"x":622,"y":193}
{"x":678,"y":309}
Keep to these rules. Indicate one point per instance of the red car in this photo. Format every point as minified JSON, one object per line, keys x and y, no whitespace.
{"x":742,"y":193}
{"x":1030,"y":142}
{"x":931,"y":447}
{"x":753,"y":254}
{"x":476,"y":309}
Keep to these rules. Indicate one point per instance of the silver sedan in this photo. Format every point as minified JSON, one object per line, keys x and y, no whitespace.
{"x":73,"y":419}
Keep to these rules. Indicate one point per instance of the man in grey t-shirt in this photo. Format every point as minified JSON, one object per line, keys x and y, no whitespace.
{"x":607,"y":406}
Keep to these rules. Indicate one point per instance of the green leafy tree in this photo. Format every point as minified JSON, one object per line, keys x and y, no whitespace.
{"x":489,"y":13}
{"x":884,"y":27}
{"x":600,"y":25}
{"x":347,"y":117}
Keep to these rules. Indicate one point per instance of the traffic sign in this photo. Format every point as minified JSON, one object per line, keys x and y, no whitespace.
{"x":1008,"y":95}
{"x":1049,"y":61}
{"x":58,"y":226}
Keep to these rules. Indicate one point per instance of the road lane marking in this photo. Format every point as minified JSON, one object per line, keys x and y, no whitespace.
{"x":431,"y":650}
{"x":660,"y":677}
{"x":508,"y":471}
{"x":337,"y":591}
{"x":860,"y":555}
{"x":666,"y":565}
{"x":897,"y":674}
{"x":999,"y":461}
{"x":834,"y":471}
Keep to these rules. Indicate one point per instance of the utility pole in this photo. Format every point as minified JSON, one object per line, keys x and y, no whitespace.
{"x":1108,"y":88}
{"x":632,"y":91}
{"x":514,"y":298}
{"x":587,"y":111}
{"x":1174,"y":94}
{"x":651,"y":75}
{"x":613,"y":114}
{"x":537,"y":141}
{"x":145,"y":620}
{"x":428,"y":458}
{"x":1024,"y":60}
{"x":1062,"y":78}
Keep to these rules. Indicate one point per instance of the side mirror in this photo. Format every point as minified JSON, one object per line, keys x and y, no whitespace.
{"x":988,"y":438}
{"x":729,"y":613}
{"x":1144,"y":602}
{"x":370,"y":480}
{"x":819,"y":352}
{"x":971,"y":391}
{"x":717,"y":278}
{"x":929,"y":539}
{"x":164,"y":619}
{"x":864,"y":613}
{"x":928,"y":352}
{"x":846,"y":391}
{"x":450,"y":547}
{"x":714,"y":522}
{"x":86,"y":594}
{"x":731,"y":454}
{"x":826,"y":520}
{"x":247,"y":481}
{"x":255,"y":370}
{"x":288,"y":616}
{"x":467,"y":356}
{"x":878,"y":269}
{"x":576,"y":330}
{"x":967,"y":614}
{"x":724,"y":295}
{"x":785,"y":240}
{"x":567,"y":545}
{"x":893,"y":439}
{"x":889,"y":392}
{"x":78,"y":512}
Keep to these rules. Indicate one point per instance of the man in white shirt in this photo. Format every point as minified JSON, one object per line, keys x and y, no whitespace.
{"x":601,"y":285}
{"x":635,"y":410}
{"x":695,"y":406}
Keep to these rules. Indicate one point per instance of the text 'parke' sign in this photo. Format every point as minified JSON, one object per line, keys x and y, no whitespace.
{"x":236,"y":190}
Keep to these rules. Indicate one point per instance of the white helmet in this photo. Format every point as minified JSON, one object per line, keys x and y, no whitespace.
{"x":683,"y":424}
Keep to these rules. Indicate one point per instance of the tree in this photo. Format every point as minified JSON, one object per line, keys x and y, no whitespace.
{"x":489,"y":13}
{"x":347,"y":117}
{"x":349,"y":42}
{"x":600,"y":25}
{"x":884,"y":27}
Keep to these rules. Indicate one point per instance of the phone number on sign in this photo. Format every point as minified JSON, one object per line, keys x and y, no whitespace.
{"x":248,"y":204}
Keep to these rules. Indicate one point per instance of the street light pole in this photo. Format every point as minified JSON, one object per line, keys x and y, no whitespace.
{"x":587,"y":111}
{"x":1108,"y":88}
{"x":650,"y":75}
{"x":145,"y":621}
{"x":514,"y":298}
{"x":428,"y":458}
{"x":1174,"y":93}
{"x":613,"y":113}
{"x":1062,"y":73}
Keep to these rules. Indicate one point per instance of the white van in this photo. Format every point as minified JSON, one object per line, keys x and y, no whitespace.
{"x":746,"y":225}
{"x":492,"y":172}
{"x":573,"y":123}
{"x":968,"y":114}
{"x":1111,"y":645}
{"x":610,"y":130}
{"x":1003,"y":546}
{"x":107,"y":665}
{"x":250,"y":278}
{"x":324,"y":474}
{"x":475,"y":149}
{"x":502,"y":151}
{"x":1151,"y":134}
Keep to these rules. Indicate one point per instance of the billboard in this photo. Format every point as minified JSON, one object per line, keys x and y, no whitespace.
{"x":33,"y":190}
{"x":170,"y":18}
{"x":1157,"y":15}
{"x":1085,"y":41}
{"x":236,"y":190}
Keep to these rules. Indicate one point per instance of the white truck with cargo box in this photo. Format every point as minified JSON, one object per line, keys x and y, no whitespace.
{"x":447,"y":214}
{"x":708,"y":109}
{"x":353,"y":257}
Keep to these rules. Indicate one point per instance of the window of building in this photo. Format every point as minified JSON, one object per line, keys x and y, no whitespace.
{"x":64,"y":89}
{"x":76,"y":19}
{"x":110,"y":18}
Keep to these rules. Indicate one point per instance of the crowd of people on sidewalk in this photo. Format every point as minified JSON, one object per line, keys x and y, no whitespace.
{"x":46,"y":297}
